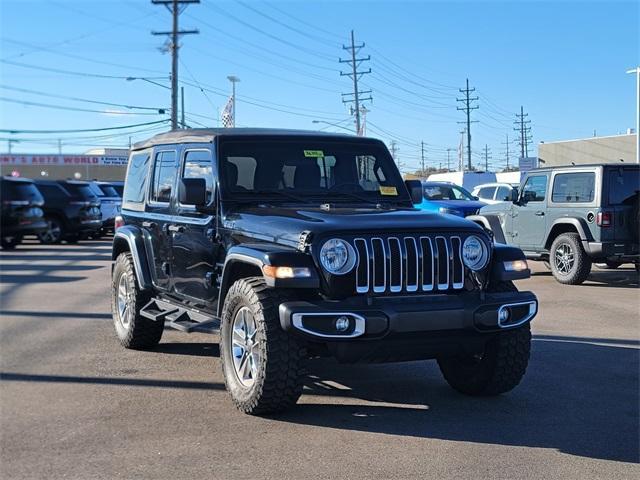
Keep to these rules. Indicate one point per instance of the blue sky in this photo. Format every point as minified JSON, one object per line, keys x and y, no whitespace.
{"x":564,"y":62}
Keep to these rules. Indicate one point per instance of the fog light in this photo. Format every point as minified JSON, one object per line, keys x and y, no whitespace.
{"x":342,"y":324}
{"x":504,"y":314}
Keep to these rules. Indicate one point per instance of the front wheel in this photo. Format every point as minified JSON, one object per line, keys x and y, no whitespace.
{"x":570,"y":264}
{"x":261,"y":363}
{"x":499,"y":368}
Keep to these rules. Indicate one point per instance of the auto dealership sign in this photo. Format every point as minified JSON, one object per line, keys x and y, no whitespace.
{"x":11,"y":159}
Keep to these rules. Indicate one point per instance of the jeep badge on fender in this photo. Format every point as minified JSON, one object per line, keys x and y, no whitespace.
{"x":296,"y":244}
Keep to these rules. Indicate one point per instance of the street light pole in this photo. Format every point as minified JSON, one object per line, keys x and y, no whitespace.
{"x":637,"y":72}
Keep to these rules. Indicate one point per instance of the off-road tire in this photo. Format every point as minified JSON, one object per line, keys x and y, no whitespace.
{"x":141,"y":333}
{"x":279,"y":377}
{"x":581,"y":265}
{"x":10,"y":243}
{"x":500,"y":367}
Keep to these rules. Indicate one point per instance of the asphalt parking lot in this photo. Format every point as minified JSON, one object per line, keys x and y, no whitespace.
{"x":74,"y":404}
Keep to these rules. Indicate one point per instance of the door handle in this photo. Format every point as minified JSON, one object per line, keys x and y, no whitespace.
{"x":539,"y":214}
{"x":176,"y":228}
{"x":146,"y":224}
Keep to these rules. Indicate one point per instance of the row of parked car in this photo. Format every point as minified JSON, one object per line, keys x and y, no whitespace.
{"x":57,"y":210}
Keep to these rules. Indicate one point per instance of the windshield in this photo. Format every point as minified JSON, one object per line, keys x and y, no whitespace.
{"x":359,"y":171}
{"x":446,"y":192}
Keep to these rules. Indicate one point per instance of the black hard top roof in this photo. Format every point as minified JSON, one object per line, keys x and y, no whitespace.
{"x":16,"y":179}
{"x":206,"y":135}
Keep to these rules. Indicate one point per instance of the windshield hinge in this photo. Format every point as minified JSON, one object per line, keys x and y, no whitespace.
{"x":326,"y":206}
{"x":304,"y":241}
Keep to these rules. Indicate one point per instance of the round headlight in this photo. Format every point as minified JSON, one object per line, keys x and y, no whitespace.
{"x":474,"y":253}
{"x":337,"y":256}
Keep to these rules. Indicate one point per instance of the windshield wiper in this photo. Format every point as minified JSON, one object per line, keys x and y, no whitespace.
{"x":379,"y":203}
{"x":282,"y":193}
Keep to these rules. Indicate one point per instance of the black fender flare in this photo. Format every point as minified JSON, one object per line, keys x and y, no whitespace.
{"x":491,"y":223}
{"x":260,"y":256}
{"x":578,"y":223}
{"x":130,"y":238}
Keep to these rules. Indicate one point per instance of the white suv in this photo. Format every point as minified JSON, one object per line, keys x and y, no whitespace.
{"x":493,"y":192}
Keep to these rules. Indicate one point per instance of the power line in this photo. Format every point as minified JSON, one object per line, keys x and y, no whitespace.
{"x":175,"y":7}
{"x":355,"y":76}
{"x":16,"y":131}
{"x":73,"y":109}
{"x":467,"y":108}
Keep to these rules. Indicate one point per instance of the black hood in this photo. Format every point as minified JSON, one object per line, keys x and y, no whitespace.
{"x":284,"y":225}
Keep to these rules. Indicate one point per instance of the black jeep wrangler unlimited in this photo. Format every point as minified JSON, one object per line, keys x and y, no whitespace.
{"x":300,"y":244}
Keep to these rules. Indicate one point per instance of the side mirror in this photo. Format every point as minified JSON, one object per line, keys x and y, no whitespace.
{"x":193,"y":191}
{"x":476,"y":197}
{"x":528,"y":196}
{"x":415,"y":190}
{"x":513,"y":196}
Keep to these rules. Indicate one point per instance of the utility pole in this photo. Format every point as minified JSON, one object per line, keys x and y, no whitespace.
{"x":449,"y":158}
{"x":461,"y":151}
{"x":525,"y":130}
{"x":176,"y":7}
{"x":506,"y":144}
{"x":637,"y":72}
{"x":466,"y":101}
{"x":59,"y":147}
{"x":394,"y":152}
{"x":486,"y":158}
{"x":355,"y":75}
{"x":233,"y":79}
{"x":422,"y":171}
{"x":182,"y":108}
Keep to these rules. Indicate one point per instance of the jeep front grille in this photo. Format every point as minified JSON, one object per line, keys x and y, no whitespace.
{"x":408,"y":264}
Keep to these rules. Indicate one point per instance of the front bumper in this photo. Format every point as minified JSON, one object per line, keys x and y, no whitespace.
{"x":408,"y":327}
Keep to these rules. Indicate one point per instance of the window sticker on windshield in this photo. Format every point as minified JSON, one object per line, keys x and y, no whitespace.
{"x":313,"y":153}
{"x":388,"y":190}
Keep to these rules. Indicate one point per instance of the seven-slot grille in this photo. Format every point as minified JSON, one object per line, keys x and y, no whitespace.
{"x":408,"y":264}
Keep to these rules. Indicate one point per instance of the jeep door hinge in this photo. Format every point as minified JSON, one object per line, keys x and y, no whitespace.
{"x":304,"y":241}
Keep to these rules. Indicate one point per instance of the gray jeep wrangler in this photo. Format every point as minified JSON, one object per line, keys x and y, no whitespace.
{"x":571,"y":217}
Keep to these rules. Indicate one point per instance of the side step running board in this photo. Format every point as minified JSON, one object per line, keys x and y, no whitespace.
{"x":179,"y":318}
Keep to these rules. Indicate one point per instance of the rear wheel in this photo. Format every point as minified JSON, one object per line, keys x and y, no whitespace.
{"x":262,"y":364}
{"x":499,"y":368}
{"x":10,"y":243}
{"x":53,"y":233}
{"x":133,"y":330}
{"x":570,"y":264}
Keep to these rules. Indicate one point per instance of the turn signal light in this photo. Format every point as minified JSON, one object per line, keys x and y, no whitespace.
{"x":118,"y":222}
{"x":286,"y":272}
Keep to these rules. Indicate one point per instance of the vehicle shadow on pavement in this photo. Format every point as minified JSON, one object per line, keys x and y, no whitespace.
{"x":621,"y":278}
{"x":192,"y":349}
{"x":587,"y":404}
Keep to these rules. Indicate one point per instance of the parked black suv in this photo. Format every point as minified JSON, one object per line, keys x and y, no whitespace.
{"x":571,"y":216}
{"x":297,"y":244}
{"x":71,"y":210}
{"x":21,"y":212}
{"x":110,"y":203}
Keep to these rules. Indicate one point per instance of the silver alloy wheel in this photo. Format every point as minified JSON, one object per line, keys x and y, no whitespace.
{"x":53,"y":232}
{"x":564,"y":258}
{"x":244,"y":348}
{"x":124,"y":312}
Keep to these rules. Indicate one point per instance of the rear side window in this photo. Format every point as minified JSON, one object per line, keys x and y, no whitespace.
{"x":576,"y":187}
{"x":136,"y":183}
{"x":535,"y":188}
{"x":197,"y":164}
{"x":624,"y":185}
{"x":164,"y":174}
{"x":487,"y":193}
{"x":80,"y":190}
{"x":504,"y":194}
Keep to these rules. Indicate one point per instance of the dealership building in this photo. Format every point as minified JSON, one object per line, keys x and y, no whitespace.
{"x":97,"y":164}
{"x":610,"y":149}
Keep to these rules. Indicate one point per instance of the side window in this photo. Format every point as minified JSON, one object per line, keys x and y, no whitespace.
{"x":198,"y":164}
{"x":535,"y":188}
{"x":136,"y":184}
{"x":574,"y":187}
{"x":504,"y":194}
{"x":486,"y":193}
{"x":164,"y":173}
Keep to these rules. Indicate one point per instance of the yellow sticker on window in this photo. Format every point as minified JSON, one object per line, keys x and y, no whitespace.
{"x":314,"y":153}
{"x":388,"y":190}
